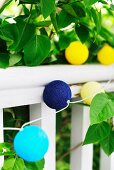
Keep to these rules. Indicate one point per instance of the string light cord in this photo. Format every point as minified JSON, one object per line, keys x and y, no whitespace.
{"x":103,"y":87}
{"x":36,"y":120}
{"x":68,"y":102}
{"x":33,"y":121}
{"x":9,"y":128}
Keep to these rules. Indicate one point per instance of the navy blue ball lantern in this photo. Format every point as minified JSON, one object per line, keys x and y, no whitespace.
{"x":56,"y":94}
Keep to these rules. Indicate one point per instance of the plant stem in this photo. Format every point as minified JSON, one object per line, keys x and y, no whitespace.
{"x":69,"y":151}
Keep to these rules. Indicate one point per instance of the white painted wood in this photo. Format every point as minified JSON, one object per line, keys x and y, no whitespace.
{"x":27,"y":96}
{"x":35,"y":112}
{"x":107,"y":86}
{"x":25,"y":85}
{"x":81,"y":158}
{"x":22,"y":77}
{"x":106,"y":163}
{"x":49,"y":126}
{"x":18,"y":97}
{"x":1,"y":136}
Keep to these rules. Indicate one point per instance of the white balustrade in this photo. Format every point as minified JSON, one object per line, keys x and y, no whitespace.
{"x":82,"y":157}
{"x":48,"y":124}
{"x":24,"y":86}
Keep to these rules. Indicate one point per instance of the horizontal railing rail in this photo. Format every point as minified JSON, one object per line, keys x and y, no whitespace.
{"x":20,"y":77}
{"x":24,"y":86}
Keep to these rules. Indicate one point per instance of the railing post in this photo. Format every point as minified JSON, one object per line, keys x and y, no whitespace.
{"x":49,"y":126}
{"x":82,"y":157}
{"x":1,"y":136}
{"x":106,"y":163}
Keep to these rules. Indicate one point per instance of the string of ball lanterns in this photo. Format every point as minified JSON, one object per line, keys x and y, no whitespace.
{"x":31,"y":142}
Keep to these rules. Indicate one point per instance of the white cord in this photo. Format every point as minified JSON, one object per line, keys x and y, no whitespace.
{"x":94,"y":93}
{"x":9,"y":128}
{"x":78,"y":101}
{"x":33,"y":121}
{"x":68,"y":102}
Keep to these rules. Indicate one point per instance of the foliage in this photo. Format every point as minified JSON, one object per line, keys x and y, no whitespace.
{"x":101,"y":128}
{"x":14,"y":163}
{"x":52,"y":25}
{"x":37,"y":33}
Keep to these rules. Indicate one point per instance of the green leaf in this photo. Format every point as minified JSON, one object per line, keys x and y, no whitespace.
{"x":67,"y":18}
{"x":25,"y":33}
{"x":64,"y":41}
{"x":36,"y":50}
{"x":35,"y":166}
{"x":14,"y":164}
{"x":63,"y":165}
{"x":110,"y":95}
{"x":97,"y":133}
{"x":101,"y":111}
{"x":29,"y":1}
{"x":4,"y":60}
{"x":40,"y":164}
{"x":96,"y":15}
{"x":9,"y":153}
{"x":79,"y":9}
{"x":5,"y":149}
{"x":54,"y":20}
{"x":47,"y":7}
{"x":107,"y":35}
{"x":5,"y":145}
{"x":17,"y":35}
{"x":14,"y":59}
{"x":9,"y":32}
{"x":42,"y":23}
{"x":107,"y":144}
{"x":68,"y":8}
{"x":90,"y":2}
{"x":83,"y":32}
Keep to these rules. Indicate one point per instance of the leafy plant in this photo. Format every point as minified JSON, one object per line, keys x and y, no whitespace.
{"x":38,"y":23}
{"x":38,"y":33}
{"x":101,"y":129}
{"x":14,"y":163}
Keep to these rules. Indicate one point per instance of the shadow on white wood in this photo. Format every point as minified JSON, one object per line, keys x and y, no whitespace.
{"x":82,"y":157}
{"x":49,"y":126}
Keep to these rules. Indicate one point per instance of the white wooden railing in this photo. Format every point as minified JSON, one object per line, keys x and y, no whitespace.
{"x":24,"y":86}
